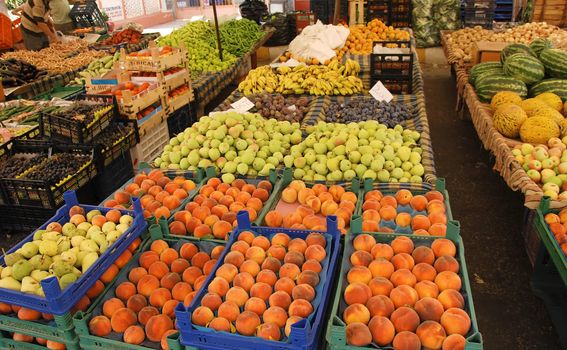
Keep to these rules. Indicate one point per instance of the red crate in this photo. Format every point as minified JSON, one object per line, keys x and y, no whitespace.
{"x":6,"y":41}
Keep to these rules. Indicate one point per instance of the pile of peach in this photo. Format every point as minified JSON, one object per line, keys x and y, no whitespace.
{"x":159,"y":195}
{"x":144,"y":305}
{"x":558,"y":226}
{"x":319,"y":199}
{"x":264,"y":286}
{"x":423,"y":215}
{"x":26,"y":314}
{"x":404,"y":296}
{"x":212,"y":213}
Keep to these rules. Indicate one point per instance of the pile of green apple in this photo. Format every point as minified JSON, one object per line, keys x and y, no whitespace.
{"x":546,"y":165}
{"x":65,"y":251}
{"x":368,"y":149}
{"x":234,"y":143}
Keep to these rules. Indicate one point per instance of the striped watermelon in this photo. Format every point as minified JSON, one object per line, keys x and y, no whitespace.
{"x":525,"y":68}
{"x":538,"y":45}
{"x":515,"y":48}
{"x":555,"y":62}
{"x":557,"y":86}
{"x":488,"y":74}
{"x":481,"y":68}
{"x":489,"y":86}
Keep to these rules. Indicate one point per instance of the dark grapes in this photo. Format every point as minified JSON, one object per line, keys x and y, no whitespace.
{"x":276,"y":106}
{"x":361,"y":109}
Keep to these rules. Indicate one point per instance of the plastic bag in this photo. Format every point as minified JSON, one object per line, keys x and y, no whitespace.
{"x":280,"y":23}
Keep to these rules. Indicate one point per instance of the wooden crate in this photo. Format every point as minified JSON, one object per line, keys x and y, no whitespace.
{"x":154,"y":135}
{"x":130,"y":105}
{"x":167,"y":82}
{"x":356,"y":12}
{"x":154,"y":62}
{"x":173,"y":104}
{"x":550,"y":11}
{"x":486,"y":51}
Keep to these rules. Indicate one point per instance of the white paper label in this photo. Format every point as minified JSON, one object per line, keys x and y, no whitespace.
{"x":380,"y":93}
{"x":292,"y":108}
{"x":242,"y":105}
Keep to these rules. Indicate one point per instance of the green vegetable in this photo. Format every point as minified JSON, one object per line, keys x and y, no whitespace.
{"x":239,"y":36}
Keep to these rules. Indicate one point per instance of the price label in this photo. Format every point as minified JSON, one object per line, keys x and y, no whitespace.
{"x":243,"y":105}
{"x":380,"y":93}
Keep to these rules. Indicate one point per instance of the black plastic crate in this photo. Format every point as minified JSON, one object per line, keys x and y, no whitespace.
{"x":85,"y":15}
{"x":15,"y":218}
{"x":179,"y":120}
{"x":43,"y":193}
{"x":113,"y":176}
{"x":74,"y":131}
{"x":121,"y":146}
{"x":394,"y":70}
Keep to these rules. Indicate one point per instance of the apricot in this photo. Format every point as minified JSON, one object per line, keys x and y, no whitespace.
{"x":356,"y":313}
{"x":315,"y":252}
{"x":100,"y":326}
{"x":380,"y":286}
{"x":403,"y":295}
{"x":454,"y":342}
{"x":191,"y":274}
{"x":448,"y":280}
{"x":240,"y":246}
{"x":136,"y":302}
{"x":289,"y":270}
{"x":219,"y":285}
{"x":284,"y":284}
{"x":406,"y":341}
{"x":121,"y":319}
{"x":381,"y":268}
{"x":277,"y":251}
{"x":381,"y":250}
{"x":403,"y":261}
{"x":111,"y":305}
{"x":426,"y":289}
{"x":238,"y":295}
{"x":424,"y":272}
{"x":311,"y":265}
{"x":273,"y":219}
{"x":443,"y":246}
{"x":451,"y":298}
{"x":357,"y":293}
{"x":261,"y":290}
{"x":134,"y":335}
{"x":227,"y":271}
{"x":456,"y":321}
{"x":447,"y":263}
{"x":235,"y":258}
{"x":247,"y":323}
{"x":275,"y":314}
{"x":358,"y":334}
{"x":297,"y":244}
{"x":159,"y":324}
{"x":180,"y":291}
{"x":361,"y":258}
{"x":380,"y":305}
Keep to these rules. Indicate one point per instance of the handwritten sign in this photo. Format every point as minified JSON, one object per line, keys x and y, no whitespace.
{"x":380,"y":93}
{"x":243,"y":105}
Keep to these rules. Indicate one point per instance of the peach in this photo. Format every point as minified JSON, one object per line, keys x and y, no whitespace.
{"x":189,"y":298}
{"x":227,"y":272}
{"x":238,"y":295}
{"x":303,"y":291}
{"x":301,"y":308}
{"x":419,"y":203}
{"x":217,"y":251}
{"x":402,"y":244}
{"x":146,"y":313}
{"x":262,"y":242}
{"x":281,"y":299}
{"x":247,"y":323}
{"x":291,"y":321}
{"x":256,"y":305}
{"x":178,"y":228}
{"x":403,"y":277}
{"x":148,"y":258}
{"x":451,"y":298}
{"x":303,"y":194}
{"x":179,"y":265}
{"x":211,"y":301}
{"x":256,"y":254}
{"x":380,"y":305}
{"x":100,"y":326}
{"x":364,"y":242}
{"x":405,"y":319}
{"x":275,"y":314}
{"x":267,"y":276}
{"x":429,"y":309}
{"x":403,"y":219}
{"x":349,"y":197}
{"x":360,"y":274}
{"x":319,"y":188}
{"x":280,"y":239}
{"x":219,"y":285}
{"x":448,"y":280}
{"x":202,"y":231}
{"x":406,"y":341}
{"x":180,"y":291}
{"x":381,"y":268}
{"x":432,"y":195}
{"x":235,"y":258}
{"x":159,"y":297}
{"x":289,"y":195}
{"x":251,"y":267}
{"x":311,"y":265}
{"x":269,"y":331}
{"x":220,"y":324}
{"x":404,"y":295}
{"x":308,"y":277}
{"x":382,"y":250}
{"x":454,"y":342}
{"x":315,"y":252}
{"x":403,"y":261}
{"x":273,"y":219}
{"x":261,"y":290}
{"x":23,"y":338}
{"x":388,"y":212}
{"x":284,"y":284}
{"x":221,"y":229}
{"x":380,"y":286}
{"x":240,"y":246}
{"x":446,"y":263}
{"x":361,"y":258}
{"x":443,"y":246}
{"x":272,"y":264}
{"x":438,"y":218}
{"x":297,"y":244}
{"x":314,"y":203}
{"x":337,"y":192}
{"x":329,"y":207}
{"x":28,"y":314}
{"x":289,"y":270}
{"x":325,"y":196}
{"x":255,"y":204}
{"x":294,"y":257}
{"x":424,"y":272}
{"x":371,"y":204}
{"x":370,"y":226}
{"x":200,"y":259}
{"x":134,"y":335}
{"x":158,"y":269}
{"x":382,"y":330}
{"x":229,"y":310}
{"x":121,"y":319}
{"x":431,"y":334}
{"x":358,"y":334}
{"x":456,"y":321}
{"x":219,"y":210}
{"x":158,"y":325}
{"x":427,"y":289}
{"x":357,"y":293}
{"x":137,"y":302}
{"x":111,"y":305}
{"x":277,"y":251}
{"x":191,"y":274}
{"x":356,"y":313}
{"x":244,"y":280}
{"x":423,"y":254}
{"x":93,"y":292}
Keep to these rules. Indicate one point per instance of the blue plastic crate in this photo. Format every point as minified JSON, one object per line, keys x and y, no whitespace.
{"x":56,"y":301}
{"x":304,"y":335}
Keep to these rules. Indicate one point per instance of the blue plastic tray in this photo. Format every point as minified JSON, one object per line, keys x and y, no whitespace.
{"x":304,"y":334}
{"x":56,"y":301}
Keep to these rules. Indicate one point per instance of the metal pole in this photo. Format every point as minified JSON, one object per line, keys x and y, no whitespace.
{"x":217,"y":28}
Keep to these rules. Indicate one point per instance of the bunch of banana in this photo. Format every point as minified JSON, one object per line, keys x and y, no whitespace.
{"x":334,"y":79}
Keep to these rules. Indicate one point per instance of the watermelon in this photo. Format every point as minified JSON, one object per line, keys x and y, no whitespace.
{"x":515,"y":48}
{"x":489,"y":86}
{"x":481,"y":68}
{"x":525,"y":68}
{"x":538,"y":45}
{"x":557,"y":86}
{"x":488,"y":74}
{"x":555,"y":62}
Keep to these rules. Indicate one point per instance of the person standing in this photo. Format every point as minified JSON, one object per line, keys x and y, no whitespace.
{"x":37,"y":27}
{"x":59,"y":11}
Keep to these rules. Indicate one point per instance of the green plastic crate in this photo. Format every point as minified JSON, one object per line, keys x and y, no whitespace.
{"x":62,"y":92}
{"x":9,"y":343}
{"x":112,"y":341}
{"x":336,"y":328}
{"x":548,"y":239}
{"x":60,"y":329}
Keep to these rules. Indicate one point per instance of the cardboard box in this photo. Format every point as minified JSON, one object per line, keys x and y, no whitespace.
{"x":486,"y":51}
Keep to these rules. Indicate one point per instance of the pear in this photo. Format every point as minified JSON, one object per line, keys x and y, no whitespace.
{"x":98,"y":237}
{"x":92,"y":230}
{"x":63,"y":245}
{"x":29,"y":249}
{"x":88,"y":245}
{"x":76,"y":241}
{"x":41,"y":262}
{"x":89,"y":260}
{"x":38,"y":275}
{"x":104,"y":247}
{"x":29,"y":285}
{"x":69,"y":257}
{"x":10,"y":283}
{"x":84,"y":226}
{"x":38,"y":234}
{"x":113,"y":236}
{"x":80,"y":257}
{"x":11,"y":259}
{"x":60,"y":268}
{"x":108,"y":226}
{"x":51,"y":236}
{"x":40,"y":292}
{"x":67,"y":279}
{"x":92,"y":214}
{"x":122,"y":228}
{"x":68,"y":228}
{"x":6,"y":272}
{"x":48,"y":248}
{"x":77,"y":272}
{"x":21,"y":269}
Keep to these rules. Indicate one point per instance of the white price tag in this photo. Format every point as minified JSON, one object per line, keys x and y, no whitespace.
{"x":380,"y":93}
{"x":242,"y":105}
{"x":292,"y":108}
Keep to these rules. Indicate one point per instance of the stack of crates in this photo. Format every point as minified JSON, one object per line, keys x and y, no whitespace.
{"x":394,"y":70}
{"x":395,"y":13}
{"x":478,"y":13}
{"x":504,"y":10}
